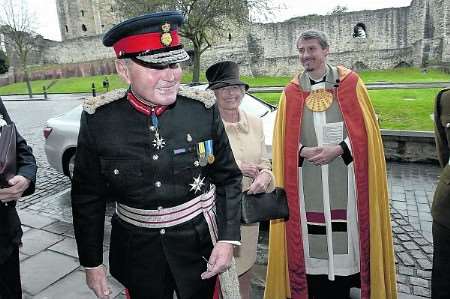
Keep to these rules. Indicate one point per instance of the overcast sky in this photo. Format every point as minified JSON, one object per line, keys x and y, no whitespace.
{"x":45,"y":10}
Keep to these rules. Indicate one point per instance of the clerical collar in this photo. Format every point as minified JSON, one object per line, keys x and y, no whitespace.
{"x":144,"y":108}
{"x":313,"y":82}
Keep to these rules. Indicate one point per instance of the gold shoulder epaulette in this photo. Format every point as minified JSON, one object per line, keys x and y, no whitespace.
{"x":90,"y":104}
{"x":207,"y":97}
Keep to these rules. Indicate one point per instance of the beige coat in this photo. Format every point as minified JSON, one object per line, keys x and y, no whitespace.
{"x":247,"y":142}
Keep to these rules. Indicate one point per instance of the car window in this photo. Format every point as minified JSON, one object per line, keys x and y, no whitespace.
{"x":253,"y":106}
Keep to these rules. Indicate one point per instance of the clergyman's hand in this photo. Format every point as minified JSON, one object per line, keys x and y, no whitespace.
{"x":309,"y":152}
{"x":96,"y":281}
{"x":326,"y":155}
{"x":219,"y":261}
{"x":18,"y":185}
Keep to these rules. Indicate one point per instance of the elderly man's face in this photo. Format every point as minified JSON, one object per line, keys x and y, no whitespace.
{"x":157,"y":86}
{"x":311,"y":54}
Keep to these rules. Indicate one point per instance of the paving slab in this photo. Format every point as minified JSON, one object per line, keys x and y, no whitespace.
{"x":34,"y":241}
{"x":44,"y":269}
{"x":61,"y":228}
{"x":68,"y":246}
{"x":34,"y":220}
{"x":73,"y":286}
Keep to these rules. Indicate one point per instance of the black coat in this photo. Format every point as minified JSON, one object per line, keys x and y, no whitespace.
{"x":116,"y":160}
{"x":440,"y":209}
{"x":10,"y":230}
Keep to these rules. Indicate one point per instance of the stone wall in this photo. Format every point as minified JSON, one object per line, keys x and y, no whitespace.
{"x":77,"y":50}
{"x":93,"y":68}
{"x":417,"y":35}
{"x":409,"y":146}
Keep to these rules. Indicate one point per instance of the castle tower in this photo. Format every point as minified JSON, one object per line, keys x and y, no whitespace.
{"x":80,"y":18}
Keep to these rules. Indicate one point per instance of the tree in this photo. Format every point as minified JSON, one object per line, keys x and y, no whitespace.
{"x":4,"y":64}
{"x":16,"y":25}
{"x":205,"y":20}
{"x":338,"y":10}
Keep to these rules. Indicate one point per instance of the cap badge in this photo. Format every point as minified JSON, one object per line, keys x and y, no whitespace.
{"x":166,"y":37}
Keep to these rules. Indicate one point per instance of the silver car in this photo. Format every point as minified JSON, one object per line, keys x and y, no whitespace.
{"x":61,"y":132}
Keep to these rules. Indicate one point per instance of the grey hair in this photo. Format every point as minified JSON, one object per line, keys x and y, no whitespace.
{"x":315,"y":34}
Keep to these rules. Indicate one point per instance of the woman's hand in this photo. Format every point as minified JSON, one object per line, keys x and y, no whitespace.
{"x":260,"y":184}
{"x":249,"y":169}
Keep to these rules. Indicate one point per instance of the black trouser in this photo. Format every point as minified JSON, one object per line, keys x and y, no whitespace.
{"x":151,"y":264}
{"x":319,"y":287}
{"x":441,"y":262}
{"x":166,"y":290}
{"x":10,"y":287}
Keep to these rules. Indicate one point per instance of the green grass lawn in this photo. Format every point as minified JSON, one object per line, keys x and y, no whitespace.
{"x":397,"y":109}
{"x":402,"y":109}
{"x":400,"y":75}
{"x":83,"y":84}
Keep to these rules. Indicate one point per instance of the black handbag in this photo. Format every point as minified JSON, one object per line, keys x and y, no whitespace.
{"x":7,"y":154}
{"x":264,"y":206}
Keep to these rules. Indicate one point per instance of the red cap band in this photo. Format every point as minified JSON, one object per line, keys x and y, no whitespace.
{"x":143,"y":42}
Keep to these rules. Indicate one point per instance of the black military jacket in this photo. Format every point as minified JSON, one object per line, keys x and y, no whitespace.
{"x":10,"y":230}
{"x":116,"y":159}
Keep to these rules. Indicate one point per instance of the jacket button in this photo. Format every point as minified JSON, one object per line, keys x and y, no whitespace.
{"x":116,"y":171}
{"x":157,"y":184}
{"x":155,"y":157}
{"x":162,"y":231}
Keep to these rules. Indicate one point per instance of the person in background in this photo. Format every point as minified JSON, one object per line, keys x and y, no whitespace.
{"x":440,"y":209}
{"x":22,"y":184}
{"x":162,"y":152}
{"x":246,"y":136}
{"x":328,"y":155}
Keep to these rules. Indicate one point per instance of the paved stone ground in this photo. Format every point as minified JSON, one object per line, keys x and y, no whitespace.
{"x":50,"y":266}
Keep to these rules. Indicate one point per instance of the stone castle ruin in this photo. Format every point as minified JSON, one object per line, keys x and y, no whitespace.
{"x":416,"y":35}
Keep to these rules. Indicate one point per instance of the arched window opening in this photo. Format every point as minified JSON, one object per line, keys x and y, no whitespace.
{"x":359,"y":31}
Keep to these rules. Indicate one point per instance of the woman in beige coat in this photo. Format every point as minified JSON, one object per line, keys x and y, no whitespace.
{"x":246,"y":136}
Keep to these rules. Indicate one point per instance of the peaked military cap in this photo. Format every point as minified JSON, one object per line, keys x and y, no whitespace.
{"x":152,"y":38}
{"x":223,"y":74}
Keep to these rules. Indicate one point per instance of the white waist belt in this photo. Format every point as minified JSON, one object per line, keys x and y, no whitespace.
{"x":168,"y":217}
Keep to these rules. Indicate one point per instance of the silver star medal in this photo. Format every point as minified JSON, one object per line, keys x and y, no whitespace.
{"x":2,"y":121}
{"x":158,"y":142}
{"x":197,"y":184}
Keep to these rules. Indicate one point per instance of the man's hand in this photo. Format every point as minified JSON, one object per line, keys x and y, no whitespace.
{"x":18,"y":185}
{"x":309,"y":152}
{"x":219,"y":261}
{"x":260,"y":184}
{"x":249,"y":169}
{"x":96,"y":281}
{"x":326,"y":155}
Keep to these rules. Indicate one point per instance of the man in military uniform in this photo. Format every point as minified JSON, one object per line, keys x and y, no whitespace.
{"x":161,"y":151}
{"x":441,"y":202}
